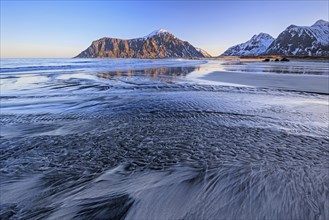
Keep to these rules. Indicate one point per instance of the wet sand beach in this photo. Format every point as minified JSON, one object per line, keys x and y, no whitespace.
{"x":162,"y":139}
{"x":304,"y":83}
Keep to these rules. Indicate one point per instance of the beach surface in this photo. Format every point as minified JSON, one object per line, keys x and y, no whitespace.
{"x":163,"y":139}
{"x":297,"y":75}
{"x":303,"y":83}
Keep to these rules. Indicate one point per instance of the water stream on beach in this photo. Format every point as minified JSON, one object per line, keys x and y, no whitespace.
{"x":142,"y":139}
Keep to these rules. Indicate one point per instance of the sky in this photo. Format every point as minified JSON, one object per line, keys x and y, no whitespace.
{"x":62,"y":29}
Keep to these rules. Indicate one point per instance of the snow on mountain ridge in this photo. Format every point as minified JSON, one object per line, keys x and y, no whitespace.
{"x":320,"y":23}
{"x":320,"y":30}
{"x":302,"y":41}
{"x":293,"y":41}
{"x":157,"y":32}
{"x":257,"y":45}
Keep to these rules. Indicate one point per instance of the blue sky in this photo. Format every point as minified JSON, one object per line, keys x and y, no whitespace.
{"x":65,"y":28}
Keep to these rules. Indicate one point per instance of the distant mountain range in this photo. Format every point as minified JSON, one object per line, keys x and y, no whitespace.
{"x":293,"y":41}
{"x":158,"y":44}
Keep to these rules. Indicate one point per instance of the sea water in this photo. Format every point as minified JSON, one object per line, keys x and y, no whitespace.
{"x":141,"y":139}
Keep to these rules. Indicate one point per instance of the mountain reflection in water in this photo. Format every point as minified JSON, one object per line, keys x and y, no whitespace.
{"x":298,"y":67}
{"x":164,"y":72}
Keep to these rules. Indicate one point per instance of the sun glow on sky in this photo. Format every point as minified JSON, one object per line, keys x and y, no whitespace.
{"x":41,"y":29}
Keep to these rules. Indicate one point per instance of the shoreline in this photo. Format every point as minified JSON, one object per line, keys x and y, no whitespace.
{"x":302,"y":83}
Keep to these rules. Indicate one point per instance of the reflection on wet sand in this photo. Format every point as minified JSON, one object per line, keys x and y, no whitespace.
{"x":164,"y":72}
{"x":294,"y":67}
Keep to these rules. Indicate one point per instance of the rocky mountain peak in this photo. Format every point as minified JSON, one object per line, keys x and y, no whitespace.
{"x":293,"y":41}
{"x":158,"y":44}
{"x":157,"y":32}
{"x":262,"y":36}
{"x":320,"y":23}
{"x":255,"y":46}
{"x":302,"y":41}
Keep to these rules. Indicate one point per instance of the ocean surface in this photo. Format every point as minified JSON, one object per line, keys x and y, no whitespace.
{"x":152,"y":139}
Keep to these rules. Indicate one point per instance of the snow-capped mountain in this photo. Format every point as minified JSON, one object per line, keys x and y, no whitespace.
{"x":302,"y":41}
{"x":158,"y":44}
{"x":257,"y":45}
{"x":156,"y":32}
